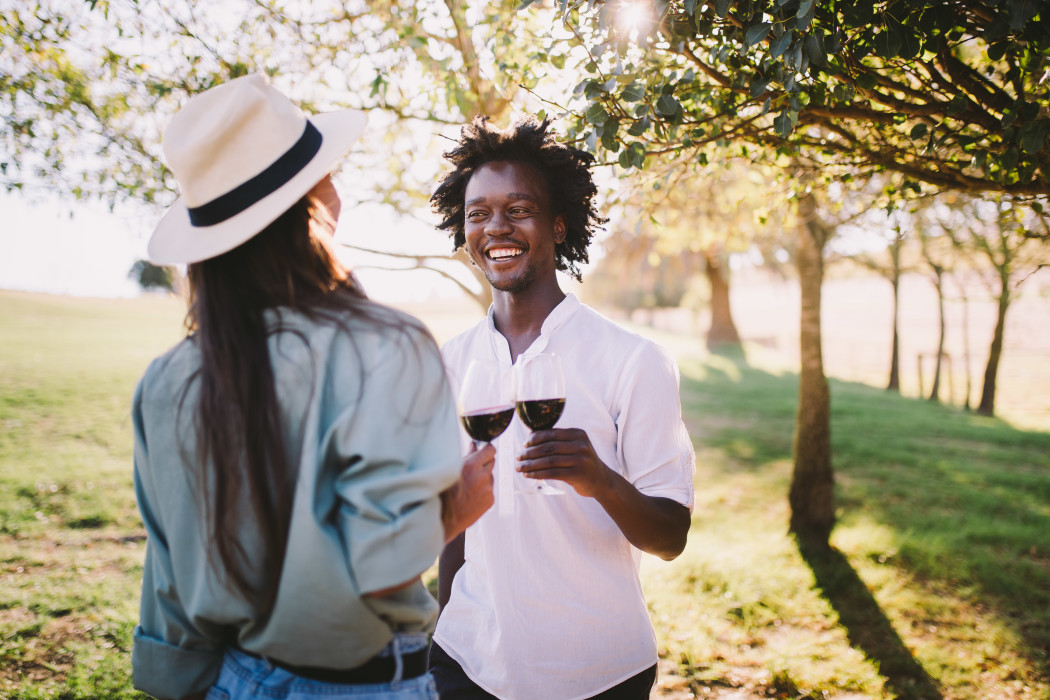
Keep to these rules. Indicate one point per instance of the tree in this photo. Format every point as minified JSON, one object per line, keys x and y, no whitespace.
{"x":996,"y":235}
{"x":946,"y":94}
{"x":811,"y":495}
{"x":86,"y":87}
{"x":150,"y":276}
{"x":697,"y":219}
{"x":888,"y":264}
{"x":936,"y":258}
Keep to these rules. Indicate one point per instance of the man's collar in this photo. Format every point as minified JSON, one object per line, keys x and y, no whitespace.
{"x":558,"y":316}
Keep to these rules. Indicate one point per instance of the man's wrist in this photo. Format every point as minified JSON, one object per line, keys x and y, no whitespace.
{"x":610,"y":488}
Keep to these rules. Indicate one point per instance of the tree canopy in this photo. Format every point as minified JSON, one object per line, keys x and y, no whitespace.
{"x":948,"y":94}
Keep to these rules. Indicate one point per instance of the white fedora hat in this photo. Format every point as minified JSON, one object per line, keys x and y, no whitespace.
{"x":242,"y":155}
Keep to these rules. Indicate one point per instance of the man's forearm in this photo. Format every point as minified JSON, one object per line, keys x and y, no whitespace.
{"x":450,"y":561}
{"x":654,"y":525}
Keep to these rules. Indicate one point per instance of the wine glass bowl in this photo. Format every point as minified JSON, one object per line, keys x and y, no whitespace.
{"x":539,"y":391}
{"x":486,"y":400}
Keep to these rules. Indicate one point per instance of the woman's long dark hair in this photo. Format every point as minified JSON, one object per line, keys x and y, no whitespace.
{"x":243,"y":471}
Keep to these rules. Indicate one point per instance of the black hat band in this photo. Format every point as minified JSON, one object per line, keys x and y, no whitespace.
{"x":262,"y":185}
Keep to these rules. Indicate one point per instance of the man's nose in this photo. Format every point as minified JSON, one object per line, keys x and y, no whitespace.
{"x":498,"y":224}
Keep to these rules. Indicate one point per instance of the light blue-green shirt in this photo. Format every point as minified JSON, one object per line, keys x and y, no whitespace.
{"x":369,"y":419}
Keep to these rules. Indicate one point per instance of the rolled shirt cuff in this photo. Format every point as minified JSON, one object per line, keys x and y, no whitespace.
{"x":166,"y":671}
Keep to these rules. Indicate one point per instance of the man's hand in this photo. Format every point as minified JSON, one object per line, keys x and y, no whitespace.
{"x":565,"y":454}
{"x":652,"y":524}
{"x":468,"y":499}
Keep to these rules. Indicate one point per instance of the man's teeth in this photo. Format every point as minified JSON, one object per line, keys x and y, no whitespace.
{"x":503,"y":253}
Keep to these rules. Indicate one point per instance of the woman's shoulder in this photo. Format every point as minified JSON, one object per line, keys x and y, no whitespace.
{"x":170,"y":371}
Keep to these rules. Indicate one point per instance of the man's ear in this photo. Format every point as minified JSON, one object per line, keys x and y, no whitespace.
{"x":559,"y":229}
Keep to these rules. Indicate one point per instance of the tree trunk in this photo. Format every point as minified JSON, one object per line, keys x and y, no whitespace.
{"x":935,"y":390}
{"x":987,"y":405}
{"x":723,"y":331}
{"x":895,"y":353}
{"x":895,"y":280}
{"x":812,"y":495}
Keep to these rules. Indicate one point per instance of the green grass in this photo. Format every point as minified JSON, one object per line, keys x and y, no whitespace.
{"x":71,"y":541}
{"x":939,"y":583}
{"x":938,"y":586}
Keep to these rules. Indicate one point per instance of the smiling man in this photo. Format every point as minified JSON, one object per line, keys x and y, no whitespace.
{"x":541,"y":595}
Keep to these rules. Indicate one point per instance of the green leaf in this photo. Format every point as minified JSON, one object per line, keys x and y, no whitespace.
{"x":635,"y":92}
{"x":722,"y":8}
{"x":804,"y":15}
{"x":596,"y":114}
{"x":667,"y":105}
{"x":814,"y":46}
{"x":866,"y":81}
{"x":637,"y":151}
{"x":782,"y":125}
{"x":757,"y":33}
{"x":690,"y":7}
{"x":888,"y":43}
{"x":624,"y":159}
{"x":1033,"y":136}
{"x":918,"y":131}
{"x":640,"y":127}
{"x":912,"y":44}
{"x":780,"y":44}
{"x":758,"y":85}
{"x":1009,"y":159}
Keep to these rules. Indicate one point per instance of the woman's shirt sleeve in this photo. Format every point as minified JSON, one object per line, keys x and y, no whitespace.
{"x":399,"y":447}
{"x":170,"y":658}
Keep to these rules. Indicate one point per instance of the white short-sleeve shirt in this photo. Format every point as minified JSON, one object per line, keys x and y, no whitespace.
{"x":548,"y":604}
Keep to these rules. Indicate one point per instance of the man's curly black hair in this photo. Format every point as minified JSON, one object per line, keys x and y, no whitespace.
{"x":566,"y":171}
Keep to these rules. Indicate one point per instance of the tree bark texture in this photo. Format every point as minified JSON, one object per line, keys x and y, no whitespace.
{"x":935,"y":390}
{"x":812,"y":496}
{"x":987,"y":405}
{"x":895,"y":354}
{"x":723,"y":331}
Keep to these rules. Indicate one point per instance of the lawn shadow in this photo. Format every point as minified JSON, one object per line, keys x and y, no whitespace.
{"x":867,"y":627}
{"x":964,"y":495}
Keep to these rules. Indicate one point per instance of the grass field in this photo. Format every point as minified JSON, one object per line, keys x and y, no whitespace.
{"x":938,"y":586}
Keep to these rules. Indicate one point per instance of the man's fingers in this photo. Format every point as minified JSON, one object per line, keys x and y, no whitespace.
{"x":554,"y":462}
{"x":555,"y":435}
{"x":550,"y":449}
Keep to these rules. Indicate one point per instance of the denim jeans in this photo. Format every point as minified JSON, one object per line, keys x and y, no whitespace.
{"x":244,"y":677}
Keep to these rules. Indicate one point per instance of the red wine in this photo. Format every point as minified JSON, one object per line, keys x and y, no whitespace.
{"x":486,"y":425}
{"x":542,"y":414}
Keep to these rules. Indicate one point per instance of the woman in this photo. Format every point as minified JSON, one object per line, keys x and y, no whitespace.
{"x":297,"y":455}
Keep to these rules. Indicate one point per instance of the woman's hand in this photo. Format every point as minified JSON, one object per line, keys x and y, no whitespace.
{"x":468,"y":499}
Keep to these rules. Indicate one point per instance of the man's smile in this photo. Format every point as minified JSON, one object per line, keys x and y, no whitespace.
{"x":503,"y":253}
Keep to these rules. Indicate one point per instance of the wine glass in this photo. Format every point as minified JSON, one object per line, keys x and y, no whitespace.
{"x":486,"y":400}
{"x":539,"y":388}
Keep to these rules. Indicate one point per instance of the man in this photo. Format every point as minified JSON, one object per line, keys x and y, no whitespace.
{"x":541,"y":598}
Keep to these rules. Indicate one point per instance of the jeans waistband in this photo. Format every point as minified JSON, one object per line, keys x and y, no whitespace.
{"x":382,"y":668}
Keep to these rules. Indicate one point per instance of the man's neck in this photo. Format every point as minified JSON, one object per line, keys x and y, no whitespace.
{"x":519,"y":316}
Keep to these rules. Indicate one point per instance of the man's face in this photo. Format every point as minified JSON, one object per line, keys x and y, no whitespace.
{"x":510,"y":229}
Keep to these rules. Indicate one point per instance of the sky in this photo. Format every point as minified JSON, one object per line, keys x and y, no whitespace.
{"x":82,"y":249}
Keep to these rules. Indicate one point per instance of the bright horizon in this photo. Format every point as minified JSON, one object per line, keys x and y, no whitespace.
{"x":59,"y":246}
